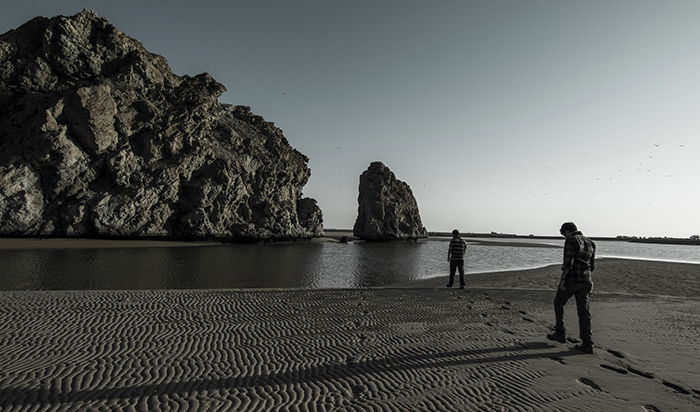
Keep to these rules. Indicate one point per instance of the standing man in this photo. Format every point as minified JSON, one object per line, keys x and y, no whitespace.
{"x":455,"y":255}
{"x":579,"y":262}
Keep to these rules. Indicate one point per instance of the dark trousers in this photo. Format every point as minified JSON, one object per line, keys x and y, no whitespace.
{"x":454,"y":265}
{"x":581,"y":290}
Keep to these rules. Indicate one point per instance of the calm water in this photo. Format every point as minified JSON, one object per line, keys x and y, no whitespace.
{"x":326,"y":265}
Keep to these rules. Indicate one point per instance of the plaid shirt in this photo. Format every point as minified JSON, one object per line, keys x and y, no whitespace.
{"x":579,"y":258}
{"x":457,"y":248}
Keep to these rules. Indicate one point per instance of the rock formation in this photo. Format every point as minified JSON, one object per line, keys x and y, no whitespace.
{"x":99,"y":138}
{"x":387,"y":209}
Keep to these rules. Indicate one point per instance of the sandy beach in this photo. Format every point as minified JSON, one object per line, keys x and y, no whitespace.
{"x":416,"y":346}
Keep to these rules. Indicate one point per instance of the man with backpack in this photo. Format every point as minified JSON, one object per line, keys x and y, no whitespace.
{"x":455,"y":255}
{"x":579,"y":262}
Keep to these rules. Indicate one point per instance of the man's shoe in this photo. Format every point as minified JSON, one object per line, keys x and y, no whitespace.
{"x":584,"y":348}
{"x":556,"y":337}
{"x":461,"y":286}
{"x":449,"y":286}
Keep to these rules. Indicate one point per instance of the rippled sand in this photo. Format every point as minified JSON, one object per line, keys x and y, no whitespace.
{"x":423,"y":347}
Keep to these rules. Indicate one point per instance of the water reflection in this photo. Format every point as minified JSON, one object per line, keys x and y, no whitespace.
{"x":376,"y":261}
{"x":326,"y":265}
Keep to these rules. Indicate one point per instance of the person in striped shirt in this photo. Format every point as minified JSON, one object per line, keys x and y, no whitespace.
{"x":455,"y":255}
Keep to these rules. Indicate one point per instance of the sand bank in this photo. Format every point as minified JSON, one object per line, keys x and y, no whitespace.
{"x":395,"y":349}
{"x":623,"y":276}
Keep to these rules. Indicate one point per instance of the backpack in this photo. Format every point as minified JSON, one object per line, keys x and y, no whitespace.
{"x":586,"y":249}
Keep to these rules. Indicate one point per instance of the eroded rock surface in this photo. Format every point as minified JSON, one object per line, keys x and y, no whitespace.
{"x":99,"y":138}
{"x":387,"y":209}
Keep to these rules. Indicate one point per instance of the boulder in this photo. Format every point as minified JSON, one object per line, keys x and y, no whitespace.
{"x":98,"y":137}
{"x":386,"y":209}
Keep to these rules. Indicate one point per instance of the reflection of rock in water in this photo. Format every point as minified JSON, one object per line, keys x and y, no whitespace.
{"x":99,"y":137}
{"x":387,"y":209}
{"x":386,"y":263}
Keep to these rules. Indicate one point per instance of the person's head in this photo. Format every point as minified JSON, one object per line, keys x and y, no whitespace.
{"x":568,"y":228}
{"x":455,"y":233}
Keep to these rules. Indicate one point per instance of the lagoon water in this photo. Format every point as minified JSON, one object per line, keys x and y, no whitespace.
{"x":314,"y":265}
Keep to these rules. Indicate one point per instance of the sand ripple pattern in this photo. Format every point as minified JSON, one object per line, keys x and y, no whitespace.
{"x":291,"y":350}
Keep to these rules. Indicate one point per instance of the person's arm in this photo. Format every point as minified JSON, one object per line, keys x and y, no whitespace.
{"x":569,"y":253}
{"x":593,"y":257}
{"x":449,"y":251}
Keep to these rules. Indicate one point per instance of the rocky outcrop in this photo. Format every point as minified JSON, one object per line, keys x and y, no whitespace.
{"x":387,"y":209}
{"x":99,"y":138}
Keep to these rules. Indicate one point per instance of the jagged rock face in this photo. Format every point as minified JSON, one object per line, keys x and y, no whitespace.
{"x":387,"y":209}
{"x":99,"y":138}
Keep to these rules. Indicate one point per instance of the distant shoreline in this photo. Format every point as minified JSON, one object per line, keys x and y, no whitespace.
{"x":667,"y":241}
{"x":658,"y":240}
{"x":330,"y":235}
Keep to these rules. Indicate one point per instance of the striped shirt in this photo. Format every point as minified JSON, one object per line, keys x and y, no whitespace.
{"x":579,"y":257}
{"x":457,"y":249}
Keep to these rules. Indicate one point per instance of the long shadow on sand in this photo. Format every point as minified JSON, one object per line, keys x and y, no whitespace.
{"x":332,"y":372}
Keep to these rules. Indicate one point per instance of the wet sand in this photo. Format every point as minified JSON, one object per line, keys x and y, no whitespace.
{"x":418,"y":346}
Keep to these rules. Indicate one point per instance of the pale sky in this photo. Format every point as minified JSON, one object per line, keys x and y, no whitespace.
{"x":508,"y":116}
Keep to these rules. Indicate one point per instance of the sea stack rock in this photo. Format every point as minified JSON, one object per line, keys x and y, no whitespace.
{"x":387,"y":209}
{"x":99,"y":138}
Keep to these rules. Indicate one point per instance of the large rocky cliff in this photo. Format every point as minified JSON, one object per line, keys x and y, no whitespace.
{"x":99,"y":138}
{"x":386,"y":209}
